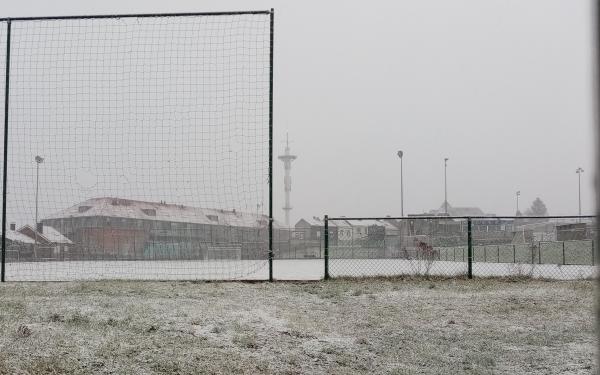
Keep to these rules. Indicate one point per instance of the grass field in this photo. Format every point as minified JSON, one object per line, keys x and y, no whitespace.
{"x":339,"y":327}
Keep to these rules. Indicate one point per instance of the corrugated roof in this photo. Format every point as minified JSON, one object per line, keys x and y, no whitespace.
{"x":133,"y":209}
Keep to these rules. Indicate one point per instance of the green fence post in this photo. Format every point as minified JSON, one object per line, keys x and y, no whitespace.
{"x":326,"y":255}
{"x":563,"y":252}
{"x":592,"y":252}
{"x":532,"y":253}
{"x":498,"y":253}
{"x":514,"y":253}
{"x":539,"y":252}
{"x":469,"y":250}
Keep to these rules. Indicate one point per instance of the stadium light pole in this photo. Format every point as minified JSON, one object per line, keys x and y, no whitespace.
{"x":579,"y":171}
{"x":38,"y":160}
{"x":445,"y":186}
{"x":400,"y":155}
{"x":518,"y":195}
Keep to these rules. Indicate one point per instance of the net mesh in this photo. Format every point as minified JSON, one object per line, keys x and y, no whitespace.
{"x":138,"y":147}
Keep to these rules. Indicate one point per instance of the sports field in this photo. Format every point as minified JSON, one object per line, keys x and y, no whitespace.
{"x":337,"y":327}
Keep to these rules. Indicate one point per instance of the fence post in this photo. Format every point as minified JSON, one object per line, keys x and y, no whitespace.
{"x":592,"y":252}
{"x":563,"y":252}
{"x":514,"y":253}
{"x":532,"y":252}
{"x":539,"y":252}
{"x":326,"y":255}
{"x":5,"y":172}
{"x":484,"y":253}
{"x":498,"y":253}
{"x":469,"y":250}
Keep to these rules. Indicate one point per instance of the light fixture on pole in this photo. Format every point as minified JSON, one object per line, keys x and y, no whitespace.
{"x":400,"y":155}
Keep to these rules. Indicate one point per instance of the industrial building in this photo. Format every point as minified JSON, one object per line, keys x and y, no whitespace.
{"x":116,"y":228}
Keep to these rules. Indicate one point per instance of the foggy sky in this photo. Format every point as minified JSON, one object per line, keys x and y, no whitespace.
{"x":502,"y":88}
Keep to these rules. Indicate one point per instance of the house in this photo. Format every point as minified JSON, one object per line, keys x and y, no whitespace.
{"x":48,"y":242}
{"x":344,"y":230}
{"x":18,"y":245}
{"x":312,"y":229}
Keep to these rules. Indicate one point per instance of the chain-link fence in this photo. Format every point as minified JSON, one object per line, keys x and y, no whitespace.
{"x":560,"y":247}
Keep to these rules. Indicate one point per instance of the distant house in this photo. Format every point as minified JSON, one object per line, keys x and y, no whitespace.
{"x":49,"y":243}
{"x":344,"y":230}
{"x":18,"y":245}
{"x":312,"y":229}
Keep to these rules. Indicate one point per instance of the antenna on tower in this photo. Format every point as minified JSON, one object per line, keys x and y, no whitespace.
{"x":287,"y":159}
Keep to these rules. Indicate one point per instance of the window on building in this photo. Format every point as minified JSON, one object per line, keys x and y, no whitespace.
{"x":149,"y":211}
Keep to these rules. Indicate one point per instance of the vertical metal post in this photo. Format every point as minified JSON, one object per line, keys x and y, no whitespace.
{"x":402,"y":190}
{"x":514,"y":253}
{"x":563,"y":252}
{"x":484,"y":253}
{"x":326,"y":255}
{"x":498,"y":253}
{"x":592,"y":252}
{"x":539,"y":252}
{"x":271,"y":146}
{"x":469,"y":250}
{"x":5,"y":165}
{"x":532,"y":253}
{"x":446,"y":187}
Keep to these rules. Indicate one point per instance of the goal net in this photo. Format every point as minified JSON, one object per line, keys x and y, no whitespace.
{"x":138,"y":146}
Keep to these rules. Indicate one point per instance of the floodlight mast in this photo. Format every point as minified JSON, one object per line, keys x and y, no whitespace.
{"x":400,"y":155}
{"x":579,"y":171}
{"x":445,"y":186}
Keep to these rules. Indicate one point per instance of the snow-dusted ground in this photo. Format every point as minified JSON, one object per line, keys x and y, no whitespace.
{"x":374,"y":326}
{"x":304,"y":269}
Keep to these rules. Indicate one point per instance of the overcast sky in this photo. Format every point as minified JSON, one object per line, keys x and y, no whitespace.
{"x":502,"y":88}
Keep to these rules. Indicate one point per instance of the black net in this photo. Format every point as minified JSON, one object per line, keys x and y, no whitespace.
{"x":138,"y":147}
